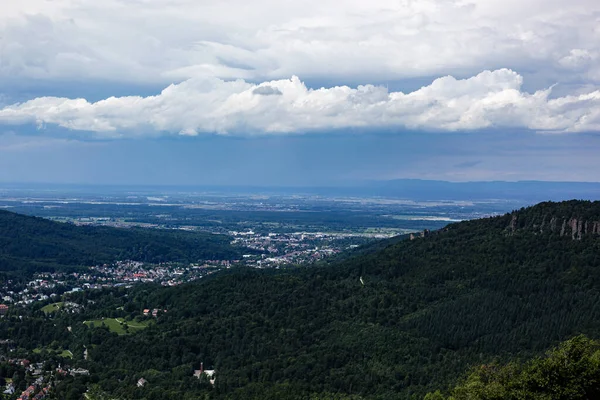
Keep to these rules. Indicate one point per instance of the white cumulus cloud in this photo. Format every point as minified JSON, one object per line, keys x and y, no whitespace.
{"x":491,"y":99}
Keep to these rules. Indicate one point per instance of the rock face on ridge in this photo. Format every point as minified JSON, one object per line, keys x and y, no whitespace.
{"x":575,"y":219}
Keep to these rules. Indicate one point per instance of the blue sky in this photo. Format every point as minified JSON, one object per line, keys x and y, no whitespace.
{"x":282,"y":93}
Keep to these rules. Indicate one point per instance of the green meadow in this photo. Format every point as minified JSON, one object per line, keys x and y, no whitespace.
{"x":119,"y":326}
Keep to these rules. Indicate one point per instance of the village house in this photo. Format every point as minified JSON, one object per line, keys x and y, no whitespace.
{"x":210,"y":374}
{"x":79,"y":371}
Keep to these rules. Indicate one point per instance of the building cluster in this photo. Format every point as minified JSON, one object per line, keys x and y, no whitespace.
{"x":23,"y":296}
{"x":35,"y":369}
{"x":60,"y":371}
{"x":70,"y":307}
{"x":51,"y":285}
{"x":154,"y":312}
{"x":36,"y":391}
{"x":167,"y":274}
{"x":290,"y":248}
{"x":40,"y":388}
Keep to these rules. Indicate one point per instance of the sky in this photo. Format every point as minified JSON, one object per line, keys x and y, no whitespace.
{"x":289,"y":93}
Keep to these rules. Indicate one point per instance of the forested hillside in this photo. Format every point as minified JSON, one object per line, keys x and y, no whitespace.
{"x":393,"y":323}
{"x":570,"y":371}
{"x":33,"y":244}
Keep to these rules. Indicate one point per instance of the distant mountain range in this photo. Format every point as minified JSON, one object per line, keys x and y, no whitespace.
{"x":535,"y":191}
{"x":416,"y":189}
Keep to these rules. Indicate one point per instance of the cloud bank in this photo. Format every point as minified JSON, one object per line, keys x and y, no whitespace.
{"x":491,"y":99}
{"x":164,"y":41}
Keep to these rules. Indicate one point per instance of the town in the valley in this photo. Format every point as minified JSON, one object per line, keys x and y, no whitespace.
{"x":272,"y":250}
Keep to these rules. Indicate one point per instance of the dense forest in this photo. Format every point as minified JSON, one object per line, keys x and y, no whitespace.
{"x":36,"y":244}
{"x":393,"y":321}
{"x":570,"y":371}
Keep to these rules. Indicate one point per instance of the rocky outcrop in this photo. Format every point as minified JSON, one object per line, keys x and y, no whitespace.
{"x":421,"y":234}
{"x":553,"y":224}
{"x":513,"y":223}
{"x":576,"y":228}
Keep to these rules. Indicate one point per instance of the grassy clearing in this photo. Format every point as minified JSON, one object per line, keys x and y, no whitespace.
{"x":60,"y":352}
{"x":118,"y":325}
{"x":66,"y":354}
{"x":52,"y":308}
